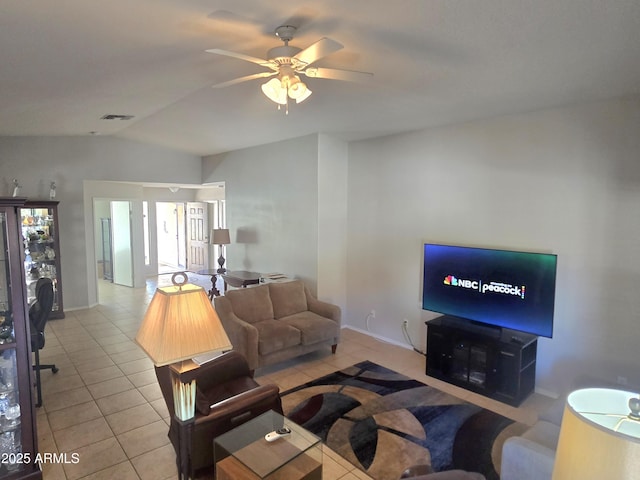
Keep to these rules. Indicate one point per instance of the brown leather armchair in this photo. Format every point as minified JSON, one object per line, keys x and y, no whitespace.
{"x":227,"y":396}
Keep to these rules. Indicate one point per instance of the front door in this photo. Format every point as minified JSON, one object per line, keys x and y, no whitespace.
{"x":197,"y":237}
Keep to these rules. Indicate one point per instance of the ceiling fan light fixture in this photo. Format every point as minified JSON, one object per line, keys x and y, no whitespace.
{"x":288,"y":62}
{"x":307,"y":93}
{"x":274,"y":91}
{"x":298,"y":90}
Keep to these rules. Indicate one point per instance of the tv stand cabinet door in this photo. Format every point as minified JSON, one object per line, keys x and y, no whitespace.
{"x":439,"y":353}
{"x":496,"y":367}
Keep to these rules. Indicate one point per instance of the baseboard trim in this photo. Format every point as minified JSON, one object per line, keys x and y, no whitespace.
{"x":379,"y":337}
{"x":74,"y":309}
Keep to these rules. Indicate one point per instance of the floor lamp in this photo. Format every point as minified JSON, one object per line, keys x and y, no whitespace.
{"x":180,"y":324}
{"x":220,"y":236}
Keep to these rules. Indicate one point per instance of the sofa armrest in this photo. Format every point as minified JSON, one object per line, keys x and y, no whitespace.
{"x":243,"y":335}
{"x":237,"y":408}
{"x":226,"y":367}
{"x":554,"y":413}
{"x":523,"y":459}
{"x":324,"y":309}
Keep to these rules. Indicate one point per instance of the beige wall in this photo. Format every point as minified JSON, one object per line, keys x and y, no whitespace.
{"x":333,"y":163}
{"x":272,"y":206}
{"x":36,"y":161}
{"x":565,"y":181}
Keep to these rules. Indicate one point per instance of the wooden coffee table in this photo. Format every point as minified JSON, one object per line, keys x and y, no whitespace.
{"x":244,"y":454}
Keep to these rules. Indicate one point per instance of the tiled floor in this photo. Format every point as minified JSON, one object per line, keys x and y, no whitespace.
{"x":105,"y":405}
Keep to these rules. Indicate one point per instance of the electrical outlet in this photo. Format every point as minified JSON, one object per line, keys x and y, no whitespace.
{"x":622,"y":380}
{"x":405,"y":323}
{"x":372,"y":314}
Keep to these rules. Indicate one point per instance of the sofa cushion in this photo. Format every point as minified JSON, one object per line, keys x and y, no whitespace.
{"x":274,"y":335}
{"x":288,"y":298}
{"x":313,"y":327}
{"x":251,"y":304}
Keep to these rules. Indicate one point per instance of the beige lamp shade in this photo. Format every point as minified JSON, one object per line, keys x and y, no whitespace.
{"x":181,"y":323}
{"x":220,"y":236}
{"x":598,"y":440}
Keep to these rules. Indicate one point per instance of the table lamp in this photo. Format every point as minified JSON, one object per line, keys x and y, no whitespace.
{"x":599,"y":436}
{"x":180,"y":324}
{"x":220,"y":236}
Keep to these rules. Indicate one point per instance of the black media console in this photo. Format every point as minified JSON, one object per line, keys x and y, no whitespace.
{"x":496,"y":362}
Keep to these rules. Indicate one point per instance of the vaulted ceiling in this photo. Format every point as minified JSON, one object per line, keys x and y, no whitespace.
{"x":64,"y":64}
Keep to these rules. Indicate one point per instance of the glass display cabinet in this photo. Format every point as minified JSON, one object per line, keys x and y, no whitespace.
{"x":18,"y":439}
{"x":39,"y":224}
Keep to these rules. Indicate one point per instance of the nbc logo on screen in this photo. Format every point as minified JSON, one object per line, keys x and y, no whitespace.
{"x":459,"y":282}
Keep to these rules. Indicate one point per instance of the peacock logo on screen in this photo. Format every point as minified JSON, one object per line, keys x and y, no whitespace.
{"x":486,"y":287}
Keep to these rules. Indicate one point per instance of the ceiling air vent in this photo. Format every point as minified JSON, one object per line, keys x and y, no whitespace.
{"x":112,"y":116}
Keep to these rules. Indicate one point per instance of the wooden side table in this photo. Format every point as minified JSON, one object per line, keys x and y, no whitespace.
{"x":213,"y":291}
{"x":240,"y":279}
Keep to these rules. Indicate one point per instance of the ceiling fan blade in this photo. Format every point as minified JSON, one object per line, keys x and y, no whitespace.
{"x":242,"y":56}
{"x":244,"y":79}
{"x":335,"y":74}
{"x":323,"y":47}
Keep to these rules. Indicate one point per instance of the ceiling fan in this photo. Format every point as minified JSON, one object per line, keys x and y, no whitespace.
{"x":287,"y":63}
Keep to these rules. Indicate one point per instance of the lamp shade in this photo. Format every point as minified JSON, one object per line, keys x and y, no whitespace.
{"x":181,"y":323}
{"x":220,"y":236}
{"x":598,"y":439}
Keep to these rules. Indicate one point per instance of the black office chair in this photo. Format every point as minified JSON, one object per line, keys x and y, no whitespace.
{"x":38,"y":315}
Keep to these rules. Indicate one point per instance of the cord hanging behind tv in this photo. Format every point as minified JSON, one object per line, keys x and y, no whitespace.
{"x":503,"y":288}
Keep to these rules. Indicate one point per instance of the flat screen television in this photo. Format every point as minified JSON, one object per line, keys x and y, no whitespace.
{"x":514,"y":290}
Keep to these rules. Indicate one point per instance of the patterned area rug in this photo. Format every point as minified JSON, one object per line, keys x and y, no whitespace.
{"x":384,"y":422}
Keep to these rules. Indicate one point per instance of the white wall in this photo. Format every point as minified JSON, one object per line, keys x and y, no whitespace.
{"x":36,"y":161}
{"x":565,"y":181}
{"x":272,"y":206}
{"x":332,"y":219}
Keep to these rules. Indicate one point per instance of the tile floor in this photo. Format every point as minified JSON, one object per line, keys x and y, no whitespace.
{"x":105,"y":404}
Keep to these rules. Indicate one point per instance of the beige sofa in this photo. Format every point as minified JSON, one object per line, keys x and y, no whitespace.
{"x":277,"y":321}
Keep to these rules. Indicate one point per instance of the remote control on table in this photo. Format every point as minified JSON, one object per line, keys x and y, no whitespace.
{"x":276,"y":434}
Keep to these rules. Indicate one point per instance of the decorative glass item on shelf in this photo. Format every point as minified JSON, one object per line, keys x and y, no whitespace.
{"x":10,"y":443}
{"x":39,"y":222}
{"x":18,"y":429}
{"x":10,"y":425}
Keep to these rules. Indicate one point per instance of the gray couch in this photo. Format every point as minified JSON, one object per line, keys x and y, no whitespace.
{"x":277,"y":321}
{"x":424,"y":472}
{"x":531,"y":456}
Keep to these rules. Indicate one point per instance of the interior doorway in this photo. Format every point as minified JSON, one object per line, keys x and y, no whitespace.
{"x":182,"y":236}
{"x":113,"y":236}
{"x":171,"y":229}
